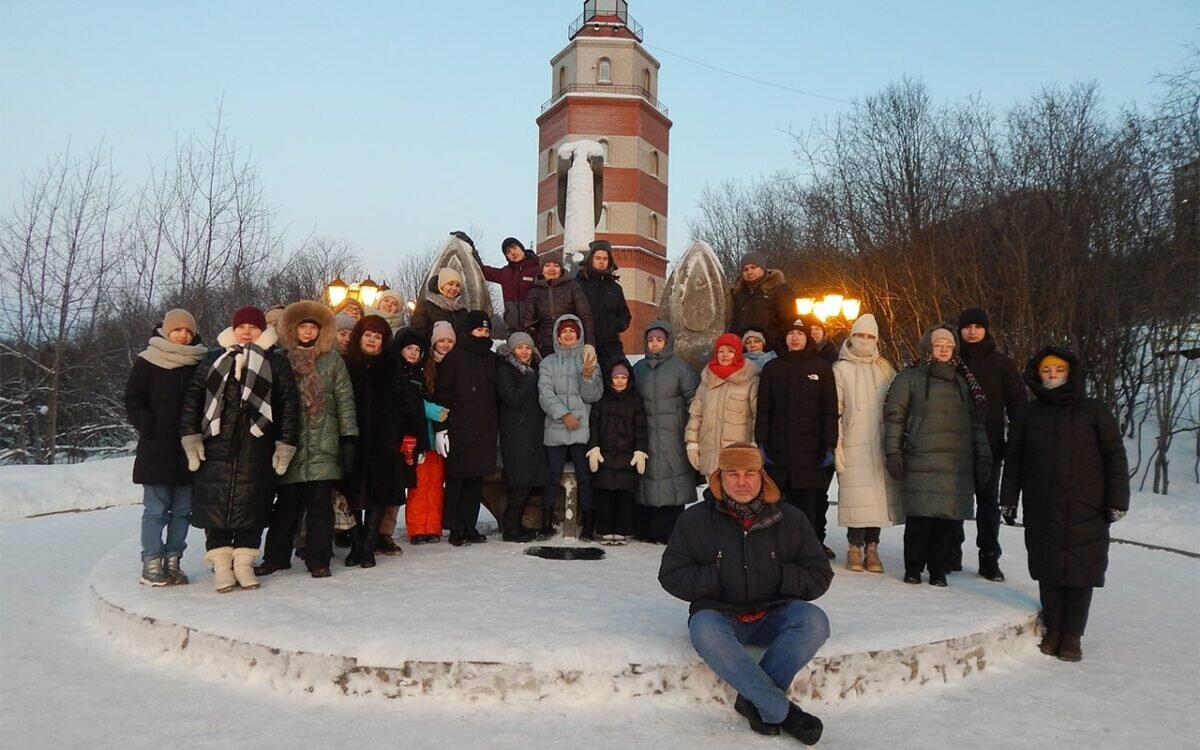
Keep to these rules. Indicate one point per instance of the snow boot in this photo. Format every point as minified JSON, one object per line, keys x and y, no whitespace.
{"x":854,"y":558}
{"x":518,"y":535}
{"x":171,"y":565}
{"x":221,"y":560}
{"x":243,"y":567}
{"x":153,"y":573}
{"x":802,"y":725}
{"x":744,"y":707}
{"x":1070,"y":648}
{"x":547,"y":530}
{"x":1050,"y":641}
{"x":873,"y":563}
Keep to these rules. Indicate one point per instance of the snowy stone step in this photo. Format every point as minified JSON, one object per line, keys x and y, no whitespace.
{"x":487,"y":622}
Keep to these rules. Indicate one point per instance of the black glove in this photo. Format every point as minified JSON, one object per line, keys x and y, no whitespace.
{"x":895,"y":466}
{"x":346,"y":451}
{"x":1009,"y":514}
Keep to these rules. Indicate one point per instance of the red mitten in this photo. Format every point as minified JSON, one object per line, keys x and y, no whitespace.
{"x":407,"y":446}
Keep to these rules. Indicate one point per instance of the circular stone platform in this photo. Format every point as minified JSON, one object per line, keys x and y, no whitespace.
{"x":489,"y":622}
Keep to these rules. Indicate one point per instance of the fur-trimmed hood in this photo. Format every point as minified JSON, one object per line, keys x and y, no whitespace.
{"x":771,"y":280}
{"x":298,"y":312}
{"x":510,"y":359}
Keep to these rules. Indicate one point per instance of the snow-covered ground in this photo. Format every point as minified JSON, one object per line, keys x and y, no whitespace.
{"x":63,"y":683}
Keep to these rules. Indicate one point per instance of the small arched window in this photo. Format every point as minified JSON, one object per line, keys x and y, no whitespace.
{"x":604,"y":145}
{"x":654,"y":163}
{"x":550,"y":223}
{"x":653,"y":290}
{"x":604,"y":71}
{"x":654,"y":226}
{"x":646,"y":81}
{"x":562,"y":79}
{"x":550,"y":161}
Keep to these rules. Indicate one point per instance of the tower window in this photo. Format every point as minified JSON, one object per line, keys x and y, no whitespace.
{"x":604,"y":145}
{"x":604,"y":71}
{"x":654,"y":226}
{"x":550,"y":160}
{"x":550,"y":223}
{"x":646,"y":81}
{"x":654,"y":163}
{"x":562,"y":79}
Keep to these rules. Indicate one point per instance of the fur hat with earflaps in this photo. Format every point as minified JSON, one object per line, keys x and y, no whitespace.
{"x":307,"y":311}
{"x":745,"y":457}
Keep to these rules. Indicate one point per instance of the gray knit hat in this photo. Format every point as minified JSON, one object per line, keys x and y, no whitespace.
{"x":344,"y":322}
{"x":518,"y":338}
{"x":753,"y":259}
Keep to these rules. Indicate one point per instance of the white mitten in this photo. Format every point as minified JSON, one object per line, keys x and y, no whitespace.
{"x":193,"y":448}
{"x":594,"y":459}
{"x":283,"y":457}
{"x":443,"y":443}
{"x":639,"y":461}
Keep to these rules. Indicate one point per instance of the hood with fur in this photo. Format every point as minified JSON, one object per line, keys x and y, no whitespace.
{"x":298,"y":312}
{"x":770,"y":281}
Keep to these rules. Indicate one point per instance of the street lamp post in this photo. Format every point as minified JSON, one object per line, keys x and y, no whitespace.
{"x":830,"y":306}
{"x":366,"y":291}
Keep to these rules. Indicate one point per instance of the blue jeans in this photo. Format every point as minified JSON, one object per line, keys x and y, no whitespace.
{"x":165,"y":506}
{"x":791,"y":634}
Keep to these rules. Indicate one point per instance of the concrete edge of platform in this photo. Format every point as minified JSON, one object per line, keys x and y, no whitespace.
{"x":827,"y":680}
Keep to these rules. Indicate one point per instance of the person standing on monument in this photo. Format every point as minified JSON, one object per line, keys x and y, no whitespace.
{"x":1001,"y":383}
{"x":610,"y":313}
{"x":554,"y":295}
{"x":515,"y":278}
{"x":667,"y":385}
{"x":762,"y":301}
{"x":750,"y":566}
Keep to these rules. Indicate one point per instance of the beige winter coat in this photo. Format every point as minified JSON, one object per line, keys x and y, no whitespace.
{"x":722,"y":413}
{"x":867,"y":496}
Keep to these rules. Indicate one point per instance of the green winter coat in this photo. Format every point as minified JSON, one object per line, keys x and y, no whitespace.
{"x":929,"y":420}
{"x":317,"y":455}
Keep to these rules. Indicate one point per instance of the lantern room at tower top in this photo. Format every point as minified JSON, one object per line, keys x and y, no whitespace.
{"x":604,"y":87}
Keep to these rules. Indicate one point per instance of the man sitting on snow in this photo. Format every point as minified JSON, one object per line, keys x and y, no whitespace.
{"x":749,"y":565}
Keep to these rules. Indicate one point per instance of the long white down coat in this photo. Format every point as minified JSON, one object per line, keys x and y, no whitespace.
{"x":867,"y":496}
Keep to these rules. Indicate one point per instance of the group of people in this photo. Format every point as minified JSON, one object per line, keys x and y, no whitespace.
{"x":324,"y":419}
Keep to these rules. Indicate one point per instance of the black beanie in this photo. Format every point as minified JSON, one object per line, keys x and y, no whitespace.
{"x":973,"y":315}
{"x":600,"y":245}
{"x":477,"y":319}
{"x":511,"y":242}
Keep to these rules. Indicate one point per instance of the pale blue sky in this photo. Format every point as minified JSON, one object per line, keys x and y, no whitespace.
{"x":391,"y":123}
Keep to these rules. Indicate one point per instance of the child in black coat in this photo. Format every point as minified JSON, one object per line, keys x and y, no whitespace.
{"x":617,"y":453}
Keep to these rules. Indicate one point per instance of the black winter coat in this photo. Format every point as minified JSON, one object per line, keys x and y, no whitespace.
{"x":412,"y":380}
{"x":766,"y":306}
{"x":546,"y":303}
{"x":797,"y":419}
{"x":427,"y":312}
{"x":235,"y":485}
{"x":827,"y":351}
{"x":610,"y":313}
{"x":1067,"y":463}
{"x":521,"y":422}
{"x":385,"y":416}
{"x":466,"y":385}
{"x":712,"y":563}
{"x":153,"y":404}
{"x":618,"y":428}
{"x":1001,"y":383}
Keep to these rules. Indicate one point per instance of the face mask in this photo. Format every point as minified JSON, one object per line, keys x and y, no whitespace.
{"x":1053,"y":383}
{"x":862,"y":346}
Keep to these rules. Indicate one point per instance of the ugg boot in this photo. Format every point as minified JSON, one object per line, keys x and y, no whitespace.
{"x":1070,"y":648}
{"x":1050,"y":641}
{"x":873,"y":563}
{"x":243,"y":567}
{"x":171,"y":565}
{"x":854,"y":558}
{"x":221,"y":560}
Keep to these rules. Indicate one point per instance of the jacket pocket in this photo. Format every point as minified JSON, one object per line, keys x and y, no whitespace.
{"x":912,"y":427}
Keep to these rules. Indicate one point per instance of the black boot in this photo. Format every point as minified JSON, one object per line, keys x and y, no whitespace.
{"x":370,"y":536}
{"x":989,"y":568}
{"x":354,"y":556}
{"x":587,"y":529}
{"x":744,"y":707}
{"x":547,"y":530}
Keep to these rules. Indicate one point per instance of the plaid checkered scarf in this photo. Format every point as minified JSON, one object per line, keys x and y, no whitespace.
{"x":250,"y":366}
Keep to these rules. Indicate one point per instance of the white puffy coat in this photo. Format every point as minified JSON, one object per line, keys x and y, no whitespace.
{"x":867,"y":496}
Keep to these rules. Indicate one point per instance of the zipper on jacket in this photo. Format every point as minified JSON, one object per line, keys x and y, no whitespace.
{"x":746,"y":559}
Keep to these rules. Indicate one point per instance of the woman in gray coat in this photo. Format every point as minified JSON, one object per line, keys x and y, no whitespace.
{"x":569,"y":382}
{"x":936,"y":445}
{"x":666,"y":384}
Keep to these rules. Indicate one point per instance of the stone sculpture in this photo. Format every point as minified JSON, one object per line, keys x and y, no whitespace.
{"x":695,"y":301}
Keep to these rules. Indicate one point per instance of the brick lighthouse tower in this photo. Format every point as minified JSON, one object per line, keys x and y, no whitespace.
{"x":604,"y":87}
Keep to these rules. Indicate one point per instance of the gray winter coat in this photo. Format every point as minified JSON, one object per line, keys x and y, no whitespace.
{"x":929,"y":420}
{"x":562,"y":389}
{"x":666,"y":384}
